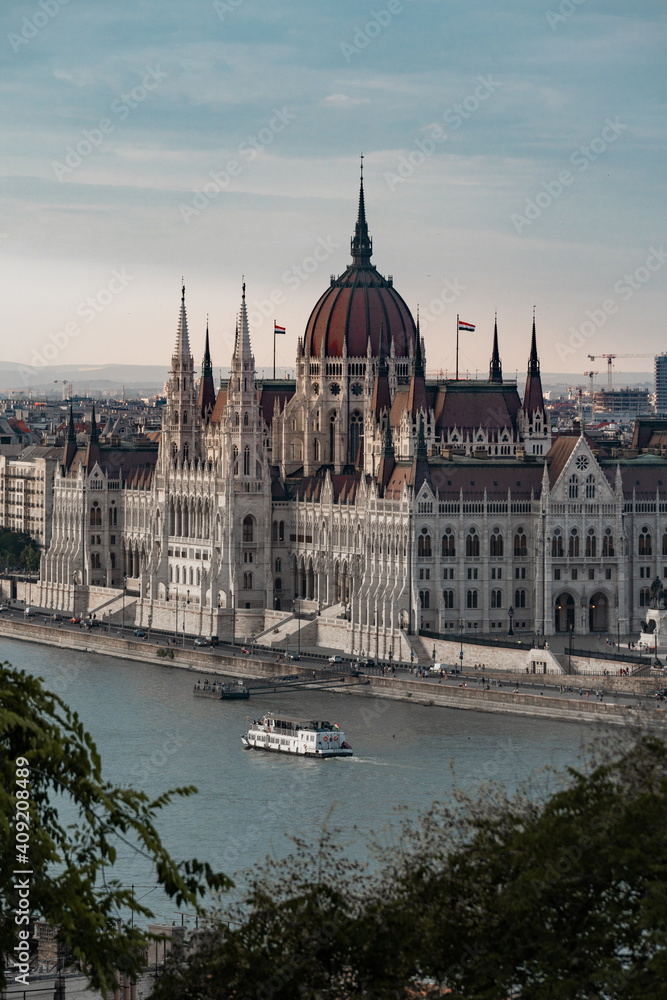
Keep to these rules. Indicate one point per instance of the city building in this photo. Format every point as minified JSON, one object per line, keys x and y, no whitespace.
{"x":363,"y":494}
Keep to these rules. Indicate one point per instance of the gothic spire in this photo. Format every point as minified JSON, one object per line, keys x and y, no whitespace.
{"x":242,"y":349}
{"x":533,"y":400}
{"x":94,"y":435}
{"x":421,"y":471}
{"x":361,"y":245}
{"x":206,"y":398}
{"x":69,"y":451}
{"x":495,"y":367}
{"x":71,"y":433}
{"x":417,"y":392}
{"x":182,"y":348}
{"x":387,"y":458}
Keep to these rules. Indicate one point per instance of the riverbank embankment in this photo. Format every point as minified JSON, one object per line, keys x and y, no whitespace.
{"x":446,"y":693}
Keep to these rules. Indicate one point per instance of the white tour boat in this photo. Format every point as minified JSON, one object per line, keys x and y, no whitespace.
{"x":285,"y":734}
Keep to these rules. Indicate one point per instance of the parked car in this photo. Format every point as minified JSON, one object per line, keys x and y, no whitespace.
{"x":214,"y":641}
{"x":201,"y":641}
{"x":75,"y":621}
{"x":29,"y":612}
{"x":292,"y":656}
{"x":365,"y":661}
{"x":139,"y":633}
{"x":244,"y":649}
{"x":440,"y":668}
{"x":3,"y":607}
{"x":91,"y":623}
{"x":56,"y":618}
{"x":335,"y":659}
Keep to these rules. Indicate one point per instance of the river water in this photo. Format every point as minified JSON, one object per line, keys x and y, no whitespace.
{"x":153,"y":734}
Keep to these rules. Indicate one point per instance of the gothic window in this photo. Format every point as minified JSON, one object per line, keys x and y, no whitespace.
{"x":198,"y":576}
{"x":519,"y":598}
{"x":178,"y":575}
{"x":113,"y":560}
{"x":185,"y":416}
{"x":448,"y":598}
{"x":171,"y":574}
{"x":236,"y":420}
{"x":245,"y":419}
{"x":608,"y":543}
{"x":644,"y":597}
{"x":316,"y":450}
{"x":424,"y":544}
{"x":95,"y":560}
{"x":186,"y":452}
{"x":281,"y":531}
{"x":496,"y":546}
{"x":520,"y":543}
{"x":664,"y":544}
{"x":590,"y":487}
{"x":472,"y":543}
{"x":248,"y":528}
{"x":247,"y":581}
{"x":278,"y":565}
{"x":645,"y":546}
{"x":424,"y":599}
{"x":557,"y":545}
{"x":246,"y":461}
{"x":591,"y":544}
{"x":573,"y":487}
{"x":448,"y":544}
{"x":96,"y":515}
{"x":332,"y":437}
{"x":573,"y":547}
{"x":355,"y":437}
{"x":471,"y":599}
{"x":278,"y":584}
{"x":496,"y":598}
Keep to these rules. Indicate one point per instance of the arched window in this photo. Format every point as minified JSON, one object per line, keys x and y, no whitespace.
{"x":472,"y":544}
{"x":95,"y":560}
{"x":471,"y":599}
{"x":448,"y":544}
{"x":590,"y":487}
{"x":557,"y":545}
{"x":645,"y":546}
{"x":237,"y":420}
{"x":316,"y":450}
{"x":247,"y":581}
{"x":608,"y":543}
{"x":248,"y":528}
{"x":281,"y":531}
{"x":356,"y":428}
{"x":424,"y":599}
{"x":178,"y":575}
{"x":171,"y":574}
{"x":573,"y":547}
{"x":664,"y":544}
{"x":279,"y":565}
{"x":448,"y":598}
{"x":496,"y":598}
{"x":496,"y":544}
{"x":591,"y":543}
{"x":519,"y":598}
{"x":424,"y":543}
{"x":246,"y":461}
{"x":644,"y":597}
{"x":190,"y":576}
{"x":573,"y":487}
{"x":96,"y":515}
{"x":185,"y":416}
{"x":278,"y":585}
{"x":245,"y":419}
{"x":520,"y":543}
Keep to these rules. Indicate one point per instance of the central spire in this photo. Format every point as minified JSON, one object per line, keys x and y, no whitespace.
{"x":495,"y":367}
{"x":182,"y":348}
{"x":361,"y":245}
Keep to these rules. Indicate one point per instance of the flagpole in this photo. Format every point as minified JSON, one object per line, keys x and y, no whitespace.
{"x":274,"y":349}
{"x":457,"y":347}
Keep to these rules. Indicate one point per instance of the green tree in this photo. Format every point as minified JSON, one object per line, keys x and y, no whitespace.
{"x":47,"y":755}
{"x":538,"y":897}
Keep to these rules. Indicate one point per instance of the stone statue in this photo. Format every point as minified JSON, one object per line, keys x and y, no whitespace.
{"x":657,"y":594}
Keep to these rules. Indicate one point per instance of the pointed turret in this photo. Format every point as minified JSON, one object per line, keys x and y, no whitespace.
{"x":533,"y":400}
{"x":182,"y":348}
{"x":206,"y":397}
{"x":93,"y":449}
{"x":387,"y":458}
{"x":495,"y":367}
{"x":361,"y":245}
{"x":417,"y":392}
{"x":381,"y":395}
{"x":421,"y":471}
{"x":242,"y":349}
{"x":69,"y":451}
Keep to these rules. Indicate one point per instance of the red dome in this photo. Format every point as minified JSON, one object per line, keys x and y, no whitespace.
{"x":358,"y":306}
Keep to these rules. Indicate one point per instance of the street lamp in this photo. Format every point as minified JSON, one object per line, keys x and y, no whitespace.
{"x":298,"y":632}
{"x":183,"y":624}
{"x":124,"y":589}
{"x":510,"y":615}
{"x":461,"y":649}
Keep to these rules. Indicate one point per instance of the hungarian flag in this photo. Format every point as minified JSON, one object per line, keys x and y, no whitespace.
{"x":281,"y":329}
{"x":469,"y":327}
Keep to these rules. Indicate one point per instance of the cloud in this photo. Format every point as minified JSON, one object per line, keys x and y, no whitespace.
{"x":344,"y":101}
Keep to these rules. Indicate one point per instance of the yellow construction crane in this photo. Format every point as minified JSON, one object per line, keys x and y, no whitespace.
{"x":610,"y":362}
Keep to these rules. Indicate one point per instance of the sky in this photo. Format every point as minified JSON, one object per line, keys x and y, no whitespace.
{"x":514,"y":159}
